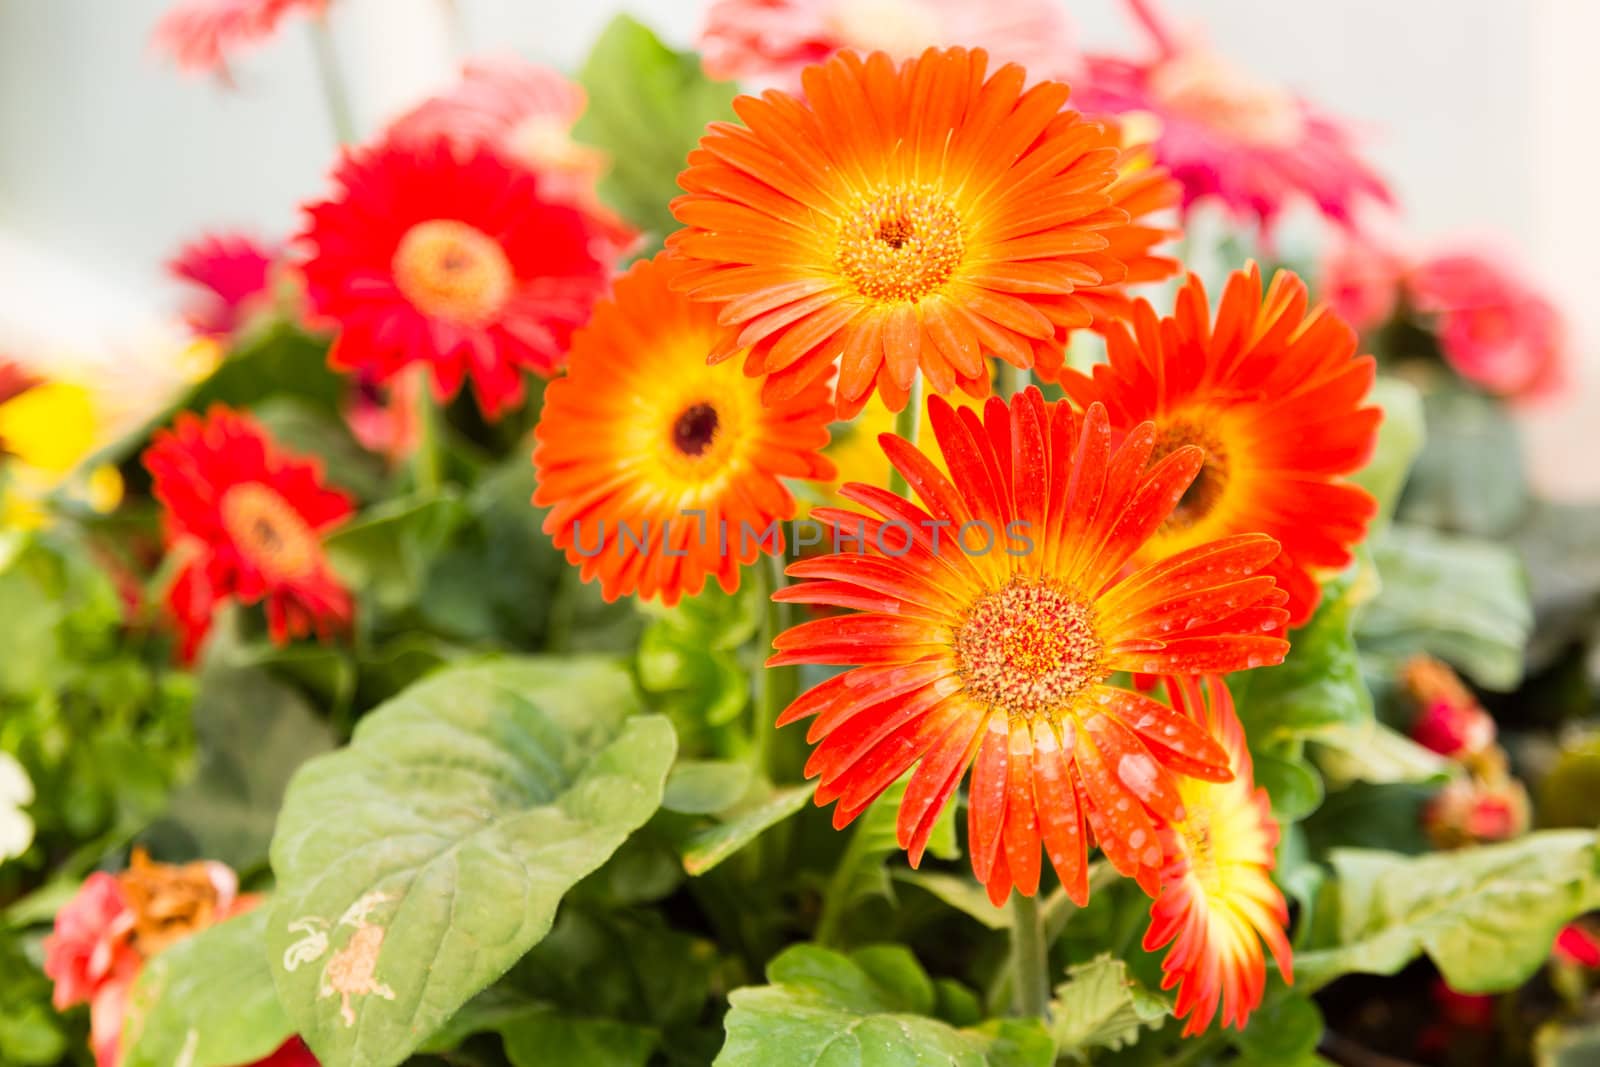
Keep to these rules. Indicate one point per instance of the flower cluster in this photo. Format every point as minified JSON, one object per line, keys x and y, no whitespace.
{"x":1045,"y":573}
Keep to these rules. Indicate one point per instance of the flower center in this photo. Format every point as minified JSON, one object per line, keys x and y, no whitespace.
{"x":695,"y":429}
{"x":1208,"y":89}
{"x":1209,"y":485}
{"x":900,"y":245}
{"x":1198,"y":850}
{"x":451,"y":270}
{"x":269,"y":532}
{"x":903,"y":28}
{"x":1029,"y":649}
{"x":169,"y":903}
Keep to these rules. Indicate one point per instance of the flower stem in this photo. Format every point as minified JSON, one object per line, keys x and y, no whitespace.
{"x":1013,"y":380}
{"x":335,"y":93}
{"x":1030,"y":955}
{"x":906,"y":425}
{"x":772,"y":683}
{"x":428,"y":460}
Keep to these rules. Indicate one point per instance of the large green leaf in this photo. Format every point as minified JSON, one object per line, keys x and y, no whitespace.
{"x":1101,"y":1006}
{"x":1486,"y":916}
{"x":648,"y":106}
{"x":208,"y":1001}
{"x":1462,"y":600}
{"x":417,"y":865}
{"x":868,"y":1009}
{"x":1469,"y":476}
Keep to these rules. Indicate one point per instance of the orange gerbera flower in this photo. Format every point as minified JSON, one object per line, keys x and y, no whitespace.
{"x":1217,"y":902}
{"x":1274,"y":395}
{"x":926,"y":215}
{"x":991,"y":624}
{"x":658,"y":468}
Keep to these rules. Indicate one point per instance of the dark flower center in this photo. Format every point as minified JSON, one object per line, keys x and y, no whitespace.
{"x":695,"y":429}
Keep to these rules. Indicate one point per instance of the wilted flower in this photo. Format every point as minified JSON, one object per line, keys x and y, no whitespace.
{"x":1471,"y":811}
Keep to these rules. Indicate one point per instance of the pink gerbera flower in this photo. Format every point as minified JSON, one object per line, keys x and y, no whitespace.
{"x":200,"y":35}
{"x":775,"y":39}
{"x":1495,"y":329}
{"x":525,"y":112}
{"x":234,"y":272}
{"x":1229,"y":136}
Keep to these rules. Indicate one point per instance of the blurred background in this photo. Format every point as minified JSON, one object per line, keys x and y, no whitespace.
{"x":109,"y":158}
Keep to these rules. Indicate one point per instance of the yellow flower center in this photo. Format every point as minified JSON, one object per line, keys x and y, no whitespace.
{"x":1198,"y":845}
{"x":1029,"y":649}
{"x":900,"y":245}
{"x":269,"y":532}
{"x":451,"y":270}
{"x":1209,"y":485}
{"x":1210,"y":90}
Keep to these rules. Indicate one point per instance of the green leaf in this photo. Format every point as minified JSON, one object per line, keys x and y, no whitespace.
{"x":868,"y":1009}
{"x":648,"y":106}
{"x":415,"y":866}
{"x":1295,"y":789}
{"x":1376,"y":753}
{"x":1101,"y":1006}
{"x":704,"y":787}
{"x":961,"y":892}
{"x":1319,"y":686}
{"x":1285,"y":1030}
{"x":1469,"y":476}
{"x":709,"y":847}
{"x":207,"y":1001}
{"x":281,"y":362}
{"x":1400,"y":439}
{"x":1462,"y":600}
{"x":253,"y":733}
{"x":1486,"y":916}
{"x":386,"y":549}
{"x":541,"y":1040}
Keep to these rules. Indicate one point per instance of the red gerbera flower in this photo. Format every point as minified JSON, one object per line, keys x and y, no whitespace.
{"x":201,"y":34}
{"x":458,"y":263}
{"x":1274,"y":394}
{"x":1226,"y":135}
{"x":989,"y":629}
{"x":1217,"y":902}
{"x":526,"y":112}
{"x":235,"y":272}
{"x":247,"y":521}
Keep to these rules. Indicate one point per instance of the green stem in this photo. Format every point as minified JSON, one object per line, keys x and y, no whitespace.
{"x":833,"y":898}
{"x":1012,"y":380}
{"x":428,"y":461}
{"x":773,"y":684}
{"x":1030,"y":955}
{"x":906,"y":425}
{"x":335,"y":93}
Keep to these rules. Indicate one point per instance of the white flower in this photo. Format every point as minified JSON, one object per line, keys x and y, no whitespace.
{"x":16,"y":792}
